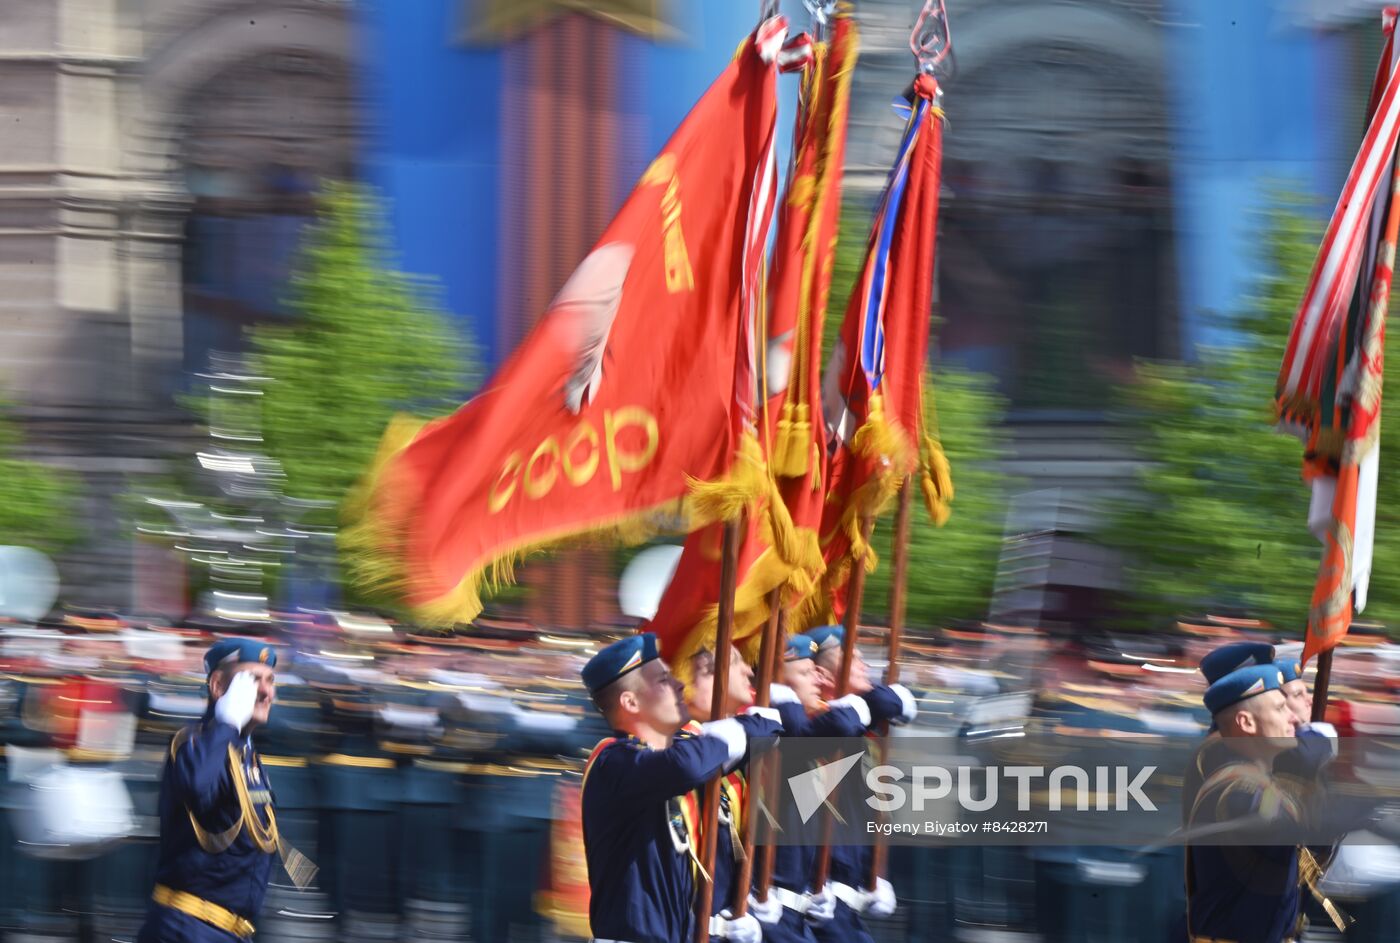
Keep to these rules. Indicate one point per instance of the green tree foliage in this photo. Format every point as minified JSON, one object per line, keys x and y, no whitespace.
{"x":36,"y":501}
{"x":364,"y":345}
{"x":1221,"y":520}
{"x":952,"y":568}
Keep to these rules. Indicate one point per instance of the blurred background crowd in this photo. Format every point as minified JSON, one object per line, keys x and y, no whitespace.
{"x":237,"y":235}
{"x":433,"y":778}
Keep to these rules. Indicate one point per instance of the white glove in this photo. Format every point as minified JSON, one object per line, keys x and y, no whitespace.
{"x":821,"y":908}
{"x":769,"y":911}
{"x":907,"y":702}
{"x":880,"y":902}
{"x":235,"y":708}
{"x":1323,"y":733}
{"x":1322,"y":727}
{"x":732,"y":733}
{"x":857,"y":704}
{"x":779,"y":694}
{"x":769,"y":713}
{"x":743,"y":929}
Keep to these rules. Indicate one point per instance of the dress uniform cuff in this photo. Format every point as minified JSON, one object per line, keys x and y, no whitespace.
{"x":732,"y":733}
{"x":856,"y":703}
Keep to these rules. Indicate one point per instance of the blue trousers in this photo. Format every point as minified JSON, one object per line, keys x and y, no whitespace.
{"x":845,"y":927}
{"x":793,"y":928}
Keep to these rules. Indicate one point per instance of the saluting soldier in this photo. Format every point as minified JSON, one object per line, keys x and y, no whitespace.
{"x":640,"y":807}
{"x":218,"y":831}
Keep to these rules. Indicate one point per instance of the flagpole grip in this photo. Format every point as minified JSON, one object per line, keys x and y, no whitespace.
{"x":1321,"y":684}
{"x":724,"y":641}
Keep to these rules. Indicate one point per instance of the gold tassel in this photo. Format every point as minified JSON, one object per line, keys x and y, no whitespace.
{"x":786,"y":439}
{"x":301,"y":869}
{"x":936,"y":481}
{"x":727,"y":498}
{"x":1309,"y":873}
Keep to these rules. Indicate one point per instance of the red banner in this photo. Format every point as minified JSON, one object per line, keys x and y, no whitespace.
{"x":624,"y":394}
{"x":1329,"y":387}
{"x":779,"y":547}
{"x":873,"y":388}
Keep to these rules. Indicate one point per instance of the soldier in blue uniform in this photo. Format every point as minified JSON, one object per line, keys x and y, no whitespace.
{"x":640,"y":807}
{"x":1246,"y":894}
{"x":218,"y":832}
{"x":699,"y":699}
{"x":850,"y":864}
{"x":795,"y":909}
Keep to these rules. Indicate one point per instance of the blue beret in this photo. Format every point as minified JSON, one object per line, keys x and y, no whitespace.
{"x":827,"y":636}
{"x":617,"y":659}
{"x":234,"y":650}
{"x":1227,"y":658}
{"x":799,"y":647}
{"x":1242,"y":684}
{"x":1292,"y":669}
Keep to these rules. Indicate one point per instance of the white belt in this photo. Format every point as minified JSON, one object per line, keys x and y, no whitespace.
{"x":790,"y":899}
{"x":601,"y":940}
{"x":852,"y":897}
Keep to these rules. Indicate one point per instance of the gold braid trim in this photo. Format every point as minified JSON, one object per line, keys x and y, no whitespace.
{"x":265,"y":836}
{"x":1309,"y":874}
{"x":376,"y":513}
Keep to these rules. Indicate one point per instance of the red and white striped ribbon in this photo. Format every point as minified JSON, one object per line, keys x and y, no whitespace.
{"x":1334,"y":274}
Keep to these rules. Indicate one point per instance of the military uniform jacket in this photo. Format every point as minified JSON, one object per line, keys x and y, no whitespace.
{"x":639,"y":819}
{"x":793,"y":864}
{"x":1247,"y":894}
{"x":218,"y":832}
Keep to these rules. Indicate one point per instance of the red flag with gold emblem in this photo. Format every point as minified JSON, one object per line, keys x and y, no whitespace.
{"x":779,"y":549}
{"x":635,"y":385}
{"x":873,"y":387}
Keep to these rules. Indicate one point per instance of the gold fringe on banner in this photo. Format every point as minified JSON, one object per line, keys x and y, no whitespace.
{"x":373,"y":540}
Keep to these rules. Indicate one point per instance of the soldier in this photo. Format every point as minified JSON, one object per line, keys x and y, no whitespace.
{"x":218,"y":832}
{"x":1246,"y":894}
{"x":700,"y":686}
{"x":640,"y":809}
{"x":850,"y":864}
{"x":699,"y":697}
{"x":794,"y":908}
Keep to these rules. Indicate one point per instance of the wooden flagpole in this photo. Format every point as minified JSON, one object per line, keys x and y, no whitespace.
{"x":724,"y":641}
{"x":855,"y":589}
{"x":1321,"y":684}
{"x":769,"y":769}
{"x":772,"y":629}
{"x":899,"y":576}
